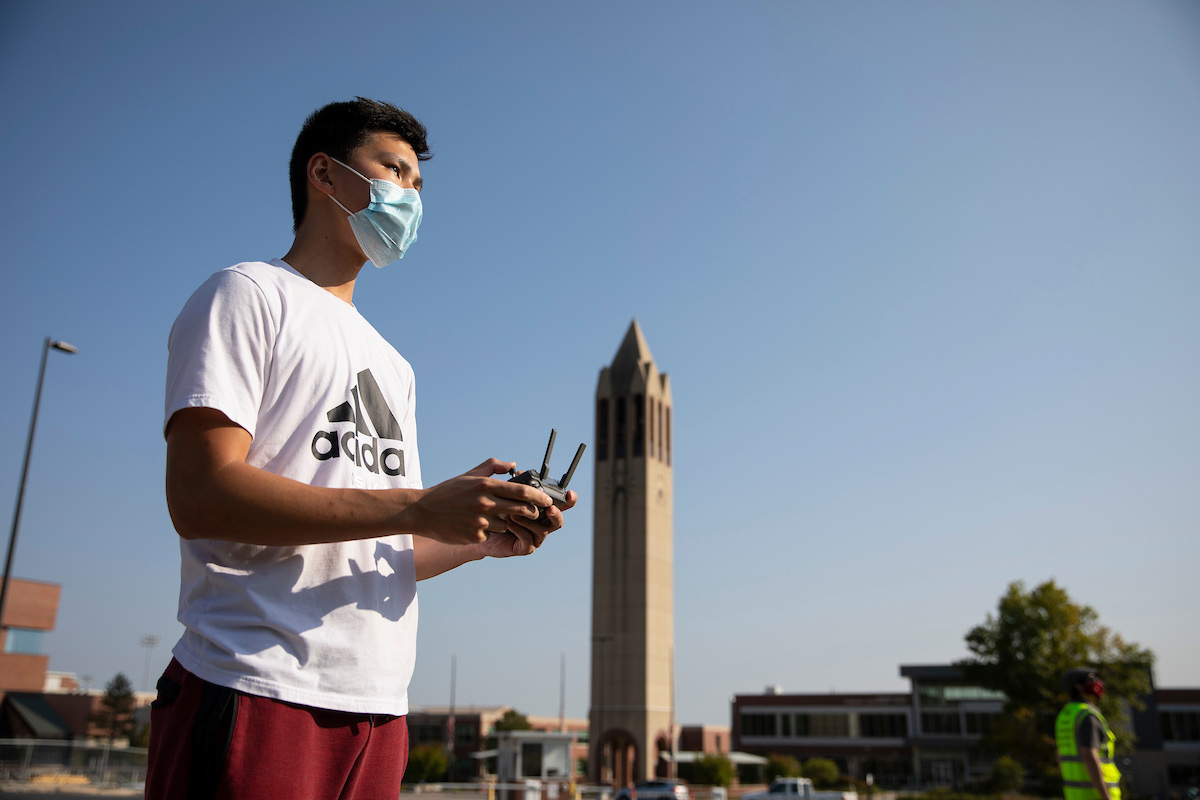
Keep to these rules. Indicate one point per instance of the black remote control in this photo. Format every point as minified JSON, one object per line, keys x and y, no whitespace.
{"x":557,"y":489}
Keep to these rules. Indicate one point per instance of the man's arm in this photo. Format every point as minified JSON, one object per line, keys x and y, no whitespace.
{"x":1091,"y":761}
{"x":523,"y":536}
{"x":212,"y":493}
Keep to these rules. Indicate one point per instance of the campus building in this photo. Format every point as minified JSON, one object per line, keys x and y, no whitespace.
{"x":931,"y":735}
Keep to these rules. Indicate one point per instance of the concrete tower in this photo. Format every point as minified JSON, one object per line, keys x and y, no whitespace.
{"x":633,"y":607}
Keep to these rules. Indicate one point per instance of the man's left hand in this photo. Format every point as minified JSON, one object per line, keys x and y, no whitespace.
{"x":525,"y":535}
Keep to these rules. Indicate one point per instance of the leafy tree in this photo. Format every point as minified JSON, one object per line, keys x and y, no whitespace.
{"x":512,"y":721}
{"x":428,"y":762}
{"x":780,"y":766}
{"x":1006,"y":776}
{"x":115,"y":714}
{"x":1023,"y":650}
{"x":713,"y":769}
{"x":139,"y":736}
{"x":823,"y":772}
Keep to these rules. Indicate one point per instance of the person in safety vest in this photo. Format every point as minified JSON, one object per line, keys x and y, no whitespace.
{"x":1085,"y":742}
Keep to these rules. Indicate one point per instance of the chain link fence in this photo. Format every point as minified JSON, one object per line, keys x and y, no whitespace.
{"x":61,"y":762}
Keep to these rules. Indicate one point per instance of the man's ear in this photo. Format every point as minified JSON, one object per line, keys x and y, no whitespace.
{"x":318,"y":173}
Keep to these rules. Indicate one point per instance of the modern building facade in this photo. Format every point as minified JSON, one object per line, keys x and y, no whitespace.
{"x":632,"y":681}
{"x":30,"y":610}
{"x":931,"y":735}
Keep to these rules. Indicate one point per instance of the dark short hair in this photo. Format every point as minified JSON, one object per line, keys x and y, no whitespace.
{"x":337,"y":129}
{"x":1073,"y":677}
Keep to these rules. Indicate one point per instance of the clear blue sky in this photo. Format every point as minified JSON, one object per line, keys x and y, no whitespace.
{"x":925,"y":276}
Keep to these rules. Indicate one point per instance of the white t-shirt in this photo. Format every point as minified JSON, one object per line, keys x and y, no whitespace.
{"x":329,"y":403}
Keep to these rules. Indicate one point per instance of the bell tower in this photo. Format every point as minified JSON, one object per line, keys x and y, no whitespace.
{"x":631,"y":722}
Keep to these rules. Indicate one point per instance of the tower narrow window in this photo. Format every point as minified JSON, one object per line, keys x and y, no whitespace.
{"x":619,"y":445}
{"x":651,"y":404}
{"x":602,"y":430}
{"x":639,"y":425}
{"x":659,"y":408}
{"x":668,"y":437}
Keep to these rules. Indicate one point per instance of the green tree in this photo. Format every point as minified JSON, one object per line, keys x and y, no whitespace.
{"x":713,"y":769}
{"x":512,"y":721}
{"x":780,"y":766}
{"x":115,"y":714}
{"x":1006,"y":776}
{"x":1023,"y":650}
{"x":823,"y":772}
{"x":428,"y":762}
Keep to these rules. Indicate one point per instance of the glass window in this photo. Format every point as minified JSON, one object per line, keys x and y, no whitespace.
{"x":1177,"y":726}
{"x":971,"y":693}
{"x":23,"y":640}
{"x":531,"y":759}
{"x":940,"y":724}
{"x":979,"y":723}
{"x":894,"y":726}
{"x":758,"y":724}
{"x":831,"y":725}
{"x":1183,"y":774}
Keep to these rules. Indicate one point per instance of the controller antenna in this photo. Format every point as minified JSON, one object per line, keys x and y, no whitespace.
{"x":566,"y":478}
{"x":546,"y":459}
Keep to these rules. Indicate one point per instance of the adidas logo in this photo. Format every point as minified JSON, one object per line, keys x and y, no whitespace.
{"x":367,"y":404}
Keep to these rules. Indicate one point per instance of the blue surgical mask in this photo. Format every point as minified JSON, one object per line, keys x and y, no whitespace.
{"x":388,"y":225}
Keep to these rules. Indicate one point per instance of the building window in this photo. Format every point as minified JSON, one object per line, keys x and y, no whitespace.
{"x":619,"y":447}
{"x":651,"y":404}
{"x":639,"y":425}
{"x":658,"y":408}
{"x":1177,"y":726}
{"x":758,"y":724}
{"x":602,"y":430}
{"x":668,"y":437}
{"x":464,"y":735}
{"x":531,"y":759}
{"x":23,"y":640}
{"x":940,"y":724}
{"x":1183,"y":774}
{"x":884,"y":726}
{"x":980,"y":723}
{"x":830,"y":725}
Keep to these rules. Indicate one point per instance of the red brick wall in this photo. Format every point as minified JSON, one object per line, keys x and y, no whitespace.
{"x":31,"y":604}
{"x":20,"y":672}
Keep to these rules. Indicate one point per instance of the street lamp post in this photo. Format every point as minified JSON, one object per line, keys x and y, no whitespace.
{"x":149,"y":641}
{"x":37,"y":401}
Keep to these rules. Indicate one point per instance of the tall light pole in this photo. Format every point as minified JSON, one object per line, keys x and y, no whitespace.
{"x":37,"y":401}
{"x":149,"y":641}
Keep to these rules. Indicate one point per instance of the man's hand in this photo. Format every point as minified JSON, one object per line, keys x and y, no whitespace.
{"x":525,"y":535}
{"x":474,"y":506}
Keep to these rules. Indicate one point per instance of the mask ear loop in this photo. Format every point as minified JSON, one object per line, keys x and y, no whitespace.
{"x":356,"y":172}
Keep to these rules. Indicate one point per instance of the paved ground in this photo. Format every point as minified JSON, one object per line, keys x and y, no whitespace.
{"x":25,"y":791}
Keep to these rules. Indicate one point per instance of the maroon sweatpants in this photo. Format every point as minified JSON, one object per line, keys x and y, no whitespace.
{"x":212,"y":743}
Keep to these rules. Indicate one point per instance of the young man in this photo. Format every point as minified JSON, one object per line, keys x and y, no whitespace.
{"x":294,"y":482}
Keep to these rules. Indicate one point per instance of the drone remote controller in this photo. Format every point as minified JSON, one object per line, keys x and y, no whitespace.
{"x":557,"y":489}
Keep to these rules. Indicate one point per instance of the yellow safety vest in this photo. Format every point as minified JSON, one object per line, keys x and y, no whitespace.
{"x":1077,"y":784}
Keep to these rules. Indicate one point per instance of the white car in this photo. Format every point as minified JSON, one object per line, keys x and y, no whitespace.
{"x":658,"y":789}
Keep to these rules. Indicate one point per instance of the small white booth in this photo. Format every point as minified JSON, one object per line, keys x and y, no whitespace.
{"x":523,"y":757}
